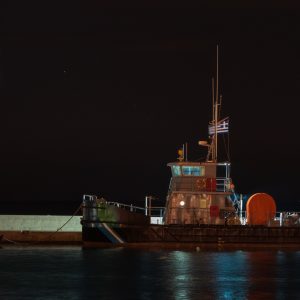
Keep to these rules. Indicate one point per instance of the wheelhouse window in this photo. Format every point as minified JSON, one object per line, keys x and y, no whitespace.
{"x":192,"y":171}
{"x":176,"y":171}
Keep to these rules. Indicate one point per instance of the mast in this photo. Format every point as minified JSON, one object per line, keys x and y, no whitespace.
{"x":216,"y":109}
{"x":212,"y":155}
{"x":215,"y":114}
{"x":211,"y":149}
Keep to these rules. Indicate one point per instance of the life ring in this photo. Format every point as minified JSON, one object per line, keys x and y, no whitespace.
{"x":201,"y":183}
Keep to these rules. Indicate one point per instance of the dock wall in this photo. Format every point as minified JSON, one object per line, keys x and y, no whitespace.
{"x":38,"y":228}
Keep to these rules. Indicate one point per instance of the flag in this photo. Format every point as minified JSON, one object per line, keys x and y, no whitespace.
{"x":222,"y":127}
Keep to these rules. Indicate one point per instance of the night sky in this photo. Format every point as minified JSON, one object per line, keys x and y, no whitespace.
{"x":97,"y":99}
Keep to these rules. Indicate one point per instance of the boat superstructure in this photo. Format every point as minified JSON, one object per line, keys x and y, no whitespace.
{"x":197,"y":196}
{"x":199,"y":192}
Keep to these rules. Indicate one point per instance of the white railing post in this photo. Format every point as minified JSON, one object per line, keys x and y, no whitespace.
{"x":146,"y":206}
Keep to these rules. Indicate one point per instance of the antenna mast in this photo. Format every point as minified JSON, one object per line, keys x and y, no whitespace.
{"x":216,"y":115}
{"x":217,"y":106}
{"x":211,"y":148}
{"x":212,"y":155}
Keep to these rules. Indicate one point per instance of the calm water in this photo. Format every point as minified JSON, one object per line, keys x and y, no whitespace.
{"x":73,"y":273}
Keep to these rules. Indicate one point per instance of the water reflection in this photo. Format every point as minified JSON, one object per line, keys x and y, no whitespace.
{"x":233,"y":275}
{"x":231,"y":272}
{"x":182,"y":276}
{"x":287,"y":274}
{"x":138,"y":274}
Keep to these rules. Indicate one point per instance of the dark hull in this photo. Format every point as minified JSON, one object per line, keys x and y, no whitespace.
{"x":191,"y":236}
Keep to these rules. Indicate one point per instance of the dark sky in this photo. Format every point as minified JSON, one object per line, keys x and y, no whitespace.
{"x":97,"y":99}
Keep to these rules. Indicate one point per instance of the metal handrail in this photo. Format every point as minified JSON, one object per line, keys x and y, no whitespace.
{"x":157,"y":211}
{"x":222,"y":184}
{"x":126,"y":206}
{"x":283,"y":218}
{"x":112,"y":203}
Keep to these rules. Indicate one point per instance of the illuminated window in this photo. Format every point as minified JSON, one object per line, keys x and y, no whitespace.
{"x":192,"y":171}
{"x":176,"y":170}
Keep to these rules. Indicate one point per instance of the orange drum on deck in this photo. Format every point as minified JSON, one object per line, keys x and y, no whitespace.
{"x":261,"y":209}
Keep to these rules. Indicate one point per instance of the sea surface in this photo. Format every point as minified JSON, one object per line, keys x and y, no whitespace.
{"x":73,"y":273}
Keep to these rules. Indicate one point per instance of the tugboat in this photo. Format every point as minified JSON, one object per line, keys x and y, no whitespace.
{"x":201,"y":207}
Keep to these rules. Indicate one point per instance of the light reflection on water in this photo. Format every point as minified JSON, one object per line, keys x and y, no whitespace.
{"x":73,"y":273}
{"x":231,"y":275}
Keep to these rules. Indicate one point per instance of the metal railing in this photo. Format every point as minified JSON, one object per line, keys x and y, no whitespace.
{"x":130,"y":207}
{"x":282,"y":219}
{"x":200,"y":184}
{"x":156,"y":211}
{"x":223,"y":184}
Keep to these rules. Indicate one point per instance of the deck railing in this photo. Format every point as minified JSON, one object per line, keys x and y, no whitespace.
{"x":129,"y":207}
{"x":282,"y":218}
{"x":200,"y":184}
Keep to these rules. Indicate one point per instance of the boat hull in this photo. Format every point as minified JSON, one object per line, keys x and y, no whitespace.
{"x":191,"y":236}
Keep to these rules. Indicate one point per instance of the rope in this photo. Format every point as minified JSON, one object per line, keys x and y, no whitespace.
{"x":4,"y":238}
{"x":52,"y":234}
{"x":73,"y":215}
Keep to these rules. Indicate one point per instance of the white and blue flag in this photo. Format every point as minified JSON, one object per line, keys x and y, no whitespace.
{"x":222,"y":127}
